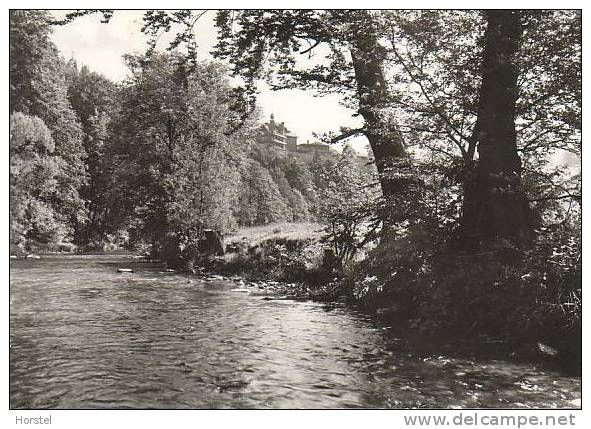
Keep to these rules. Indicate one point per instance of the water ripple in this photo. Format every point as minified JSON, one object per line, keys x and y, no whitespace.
{"x":83,"y":336}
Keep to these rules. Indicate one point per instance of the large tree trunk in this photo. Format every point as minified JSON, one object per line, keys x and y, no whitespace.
{"x":495,"y":206}
{"x":384,"y":138}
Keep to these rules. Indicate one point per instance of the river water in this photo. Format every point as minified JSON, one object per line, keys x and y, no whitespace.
{"x":84,"y":336}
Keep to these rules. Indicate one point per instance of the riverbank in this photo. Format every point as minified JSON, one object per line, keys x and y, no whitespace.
{"x":457,"y":310}
{"x":471,"y":299}
{"x":475,"y":345}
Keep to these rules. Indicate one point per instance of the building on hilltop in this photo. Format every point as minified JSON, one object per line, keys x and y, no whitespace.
{"x":313,"y":147}
{"x":275,"y":134}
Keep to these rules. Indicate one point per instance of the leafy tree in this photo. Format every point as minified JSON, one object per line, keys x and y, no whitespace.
{"x":204,"y":178}
{"x":29,"y":53}
{"x":299,"y":176}
{"x":146,"y":131}
{"x":34,"y":169}
{"x":496,"y":205}
{"x":261,"y":201}
{"x":92,"y":97}
{"x":177,"y":149}
{"x":38,"y":88}
{"x":347,"y":207}
{"x":298,"y":205}
{"x":437,"y":57}
{"x":89,"y":93}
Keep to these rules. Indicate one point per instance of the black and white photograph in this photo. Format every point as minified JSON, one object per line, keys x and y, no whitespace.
{"x":296,"y":209}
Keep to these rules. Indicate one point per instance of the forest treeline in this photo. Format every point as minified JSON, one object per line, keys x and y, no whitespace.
{"x":100,"y":165}
{"x":465,"y":216}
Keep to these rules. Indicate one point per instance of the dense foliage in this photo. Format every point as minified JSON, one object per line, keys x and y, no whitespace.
{"x":38,"y":88}
{"x":466,"y":218}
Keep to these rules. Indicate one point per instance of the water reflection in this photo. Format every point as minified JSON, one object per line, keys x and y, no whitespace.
{"x":83,"y":336}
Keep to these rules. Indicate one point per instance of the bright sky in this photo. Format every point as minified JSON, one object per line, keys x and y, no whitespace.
{"x":100,"y":47}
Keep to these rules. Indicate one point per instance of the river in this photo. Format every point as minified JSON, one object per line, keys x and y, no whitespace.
{"x":84,"y":336}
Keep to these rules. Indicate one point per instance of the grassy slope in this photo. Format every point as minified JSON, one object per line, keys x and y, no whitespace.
{"x":290,"y":231}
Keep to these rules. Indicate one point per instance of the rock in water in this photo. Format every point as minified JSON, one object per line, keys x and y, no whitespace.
{"x":124,"y":270}
{"x":547,"y":350}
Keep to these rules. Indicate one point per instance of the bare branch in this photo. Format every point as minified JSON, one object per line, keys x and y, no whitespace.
{"x":310,"y":48}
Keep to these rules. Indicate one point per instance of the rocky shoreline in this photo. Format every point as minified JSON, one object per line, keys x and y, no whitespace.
{"x":269,"y":290}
